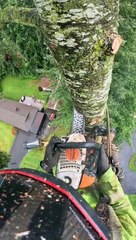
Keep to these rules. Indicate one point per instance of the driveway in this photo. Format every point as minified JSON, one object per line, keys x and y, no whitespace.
{"x":125,"y":153}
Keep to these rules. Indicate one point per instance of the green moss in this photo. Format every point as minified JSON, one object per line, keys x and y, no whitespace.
{"x":132,"y":163}
{"x":74,"y":4}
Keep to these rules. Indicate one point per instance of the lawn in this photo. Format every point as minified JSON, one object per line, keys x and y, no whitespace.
{"x":14,"y":88}
{"x":33,"y":158}
{"x":132,"y":163}
{"x":6,"y":137}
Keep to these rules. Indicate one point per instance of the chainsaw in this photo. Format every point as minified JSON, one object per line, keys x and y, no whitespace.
{"x":77,"y":161}
{"x":78,"y":155}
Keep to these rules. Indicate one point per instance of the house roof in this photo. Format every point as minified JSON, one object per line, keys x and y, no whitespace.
{"x":20,"y":115}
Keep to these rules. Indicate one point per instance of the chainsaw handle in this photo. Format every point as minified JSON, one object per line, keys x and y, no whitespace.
{"x":78,"y":145}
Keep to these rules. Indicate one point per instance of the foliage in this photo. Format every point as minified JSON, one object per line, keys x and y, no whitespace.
{"x":132,"y":163}
{"x":24,"y":51}
{"x":4,"y":159}
{"x":122,"y":100}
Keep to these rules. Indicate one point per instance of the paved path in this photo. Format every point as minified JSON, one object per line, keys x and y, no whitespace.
{"x":126,"y":151}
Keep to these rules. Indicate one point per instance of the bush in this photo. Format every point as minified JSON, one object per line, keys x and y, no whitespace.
{"x":4,"y":159}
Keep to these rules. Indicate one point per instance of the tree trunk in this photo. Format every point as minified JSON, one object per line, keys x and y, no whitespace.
{"x":78,"y":34}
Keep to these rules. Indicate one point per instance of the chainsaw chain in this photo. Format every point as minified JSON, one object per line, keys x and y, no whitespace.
{"x":78,"y":123}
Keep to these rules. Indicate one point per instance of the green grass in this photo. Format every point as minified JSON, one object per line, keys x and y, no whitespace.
{"x":6,"y":137}
{"x":132,"y":199}
{"x":132,"y":163}
{"x":33,"y":158}
{"x":14,"y":88}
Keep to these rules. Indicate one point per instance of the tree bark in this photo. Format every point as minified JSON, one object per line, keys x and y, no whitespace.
{"x":78,"y":35}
